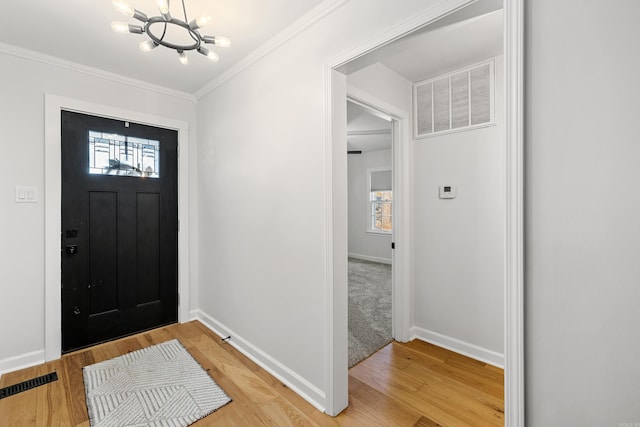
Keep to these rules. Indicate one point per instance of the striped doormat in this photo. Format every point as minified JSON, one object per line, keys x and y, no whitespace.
{"x":161,"y":385}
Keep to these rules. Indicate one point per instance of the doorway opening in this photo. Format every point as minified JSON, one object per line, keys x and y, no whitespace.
{"x":504,"y":345}
{"x":371,"y":205}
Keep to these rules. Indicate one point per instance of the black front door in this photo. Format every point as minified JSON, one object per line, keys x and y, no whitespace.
{"x":119,"y":229}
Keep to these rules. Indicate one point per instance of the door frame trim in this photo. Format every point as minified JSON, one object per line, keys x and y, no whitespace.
{"x":54,"y":104}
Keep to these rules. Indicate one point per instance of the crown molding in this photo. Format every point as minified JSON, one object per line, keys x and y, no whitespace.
{"x":307,"y":20}
{"x":369,"y":132}
{"x":94,"y":72}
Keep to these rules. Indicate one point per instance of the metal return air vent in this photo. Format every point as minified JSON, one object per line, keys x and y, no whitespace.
{"x":27,"y":385}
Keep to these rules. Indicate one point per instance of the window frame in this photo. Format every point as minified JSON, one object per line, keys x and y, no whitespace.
{"x":370,"y":202}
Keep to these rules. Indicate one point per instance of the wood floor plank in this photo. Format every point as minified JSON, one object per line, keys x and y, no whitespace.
{"x":51,"y":406}
{"x":473,"y":375}
{"x":20,"y":409}
{"x":403,"y":385}
{"x":426,"y":422}
{"x":370,"y":404}
{"x":412,"y":399}
{"x":74,"y":384}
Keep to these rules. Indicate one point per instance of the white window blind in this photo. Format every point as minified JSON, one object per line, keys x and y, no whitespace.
{"x":457,"y":101}
{"x":381,"y":180}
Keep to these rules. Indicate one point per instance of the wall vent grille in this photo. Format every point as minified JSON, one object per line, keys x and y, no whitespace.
{"x":460,"y":100}
{"x":27,"y":385}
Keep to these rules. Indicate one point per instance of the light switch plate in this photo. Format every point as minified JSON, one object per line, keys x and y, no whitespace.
{"x":26,"y":194}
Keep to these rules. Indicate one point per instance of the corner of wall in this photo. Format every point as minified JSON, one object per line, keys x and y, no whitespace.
{"x":22,"y":361}
{"x":291,"y":379}
{"x":467,"y":349}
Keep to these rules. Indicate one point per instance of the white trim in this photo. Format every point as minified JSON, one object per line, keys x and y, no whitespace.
{"x":22,"y":361}
{"x":307,"y":20}
{"x":370,"y":258}
{"x":514,"y":303}
{"x":53,"y":201}
{"x":291,"y":379}
{"x":450,"y":131}
{"x":380,"y":233}
{"x":369,"y":132}
{"x":514,"y":241}
{"x":467,"y":349}
{"x":95,"y":72}
{"x":337,"y":242}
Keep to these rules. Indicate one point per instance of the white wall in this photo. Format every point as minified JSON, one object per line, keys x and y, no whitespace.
{"x":362,"y":244}
{"x":384,"y":84}
{"x":582,"y":220}
{"x":459,"y":243}
{"x":263,"y":197}
{"x":23,"y":85}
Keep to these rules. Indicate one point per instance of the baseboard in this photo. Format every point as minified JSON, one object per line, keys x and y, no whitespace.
{"x":22,"y":361}
{"x":470,"y":350}
{"x":370,"y":258}
{"x":291,"y":379}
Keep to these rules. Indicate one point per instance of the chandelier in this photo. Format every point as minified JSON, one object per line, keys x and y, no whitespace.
{"x":157,"y":28}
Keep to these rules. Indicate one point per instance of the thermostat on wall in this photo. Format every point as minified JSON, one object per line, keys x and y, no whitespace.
{"x":447,"y":192}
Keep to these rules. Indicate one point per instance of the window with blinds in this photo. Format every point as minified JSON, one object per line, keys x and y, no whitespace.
{"x":460,"y":100}
{"x":380,"y":201}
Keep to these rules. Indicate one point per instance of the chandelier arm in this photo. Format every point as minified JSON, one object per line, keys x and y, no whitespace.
{"x":164,"y":32}
{"x":157,"y":20}
{"x":198,"y":39}
{"x":184,"y":9}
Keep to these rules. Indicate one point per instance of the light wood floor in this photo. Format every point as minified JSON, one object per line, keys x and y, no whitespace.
{"x":414,"y":385}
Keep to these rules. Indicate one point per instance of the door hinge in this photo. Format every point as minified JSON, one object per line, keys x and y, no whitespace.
{"x":393,"y":245}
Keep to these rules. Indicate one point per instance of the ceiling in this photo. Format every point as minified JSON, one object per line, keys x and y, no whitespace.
{"x":365,"y":131}
{"x":470,"y":35}
{"x":428,"y":54}
{"x":80,"y":31}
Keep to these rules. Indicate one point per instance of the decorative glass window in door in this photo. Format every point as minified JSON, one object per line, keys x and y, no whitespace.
{"x":112,"y":154}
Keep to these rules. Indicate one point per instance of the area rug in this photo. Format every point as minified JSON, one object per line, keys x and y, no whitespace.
{"x":161,"y":385}
{"x":369,"y":308}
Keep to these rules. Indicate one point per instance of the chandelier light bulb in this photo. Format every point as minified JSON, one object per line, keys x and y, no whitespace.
{"x":120,"y":27}
{"x":200,"y":22}
{"x":123,"y":7}
{"x":148,"y":45}
{"x":129,"y":11}
{"x":218,"y":41}
{"x":222,"y":41}
{"x":208,"y":53}
{"x":183,"y":57}
{"x":163,"y":5}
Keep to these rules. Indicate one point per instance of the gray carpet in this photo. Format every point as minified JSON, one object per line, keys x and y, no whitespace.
{"x":161,"y":385}
{"x":369,"y":308}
